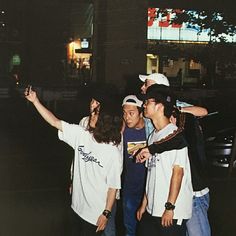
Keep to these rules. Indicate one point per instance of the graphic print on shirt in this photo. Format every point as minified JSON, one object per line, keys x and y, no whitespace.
{"x":87,"y":157}
{"x":152,"y":162}
{"x":135,"y":146}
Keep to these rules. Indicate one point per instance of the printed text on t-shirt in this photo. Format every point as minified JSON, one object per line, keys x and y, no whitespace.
{"x":87,"y":157}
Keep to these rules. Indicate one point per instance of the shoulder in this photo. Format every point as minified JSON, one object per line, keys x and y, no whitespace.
{"x":84,"y":121}
{"x":75,"y":128}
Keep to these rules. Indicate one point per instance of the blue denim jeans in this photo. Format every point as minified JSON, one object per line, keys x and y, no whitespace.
{"x":110,"y":229}
{"x":131,"y":204}
{"x":198,"y":224}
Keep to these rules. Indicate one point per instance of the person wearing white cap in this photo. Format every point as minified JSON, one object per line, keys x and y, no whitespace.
{"x":155,"y":78}
{"x":134,"y":137}
{"x":158,"y":78}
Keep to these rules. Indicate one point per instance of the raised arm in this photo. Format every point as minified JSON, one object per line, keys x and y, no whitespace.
{"x":195,"y":110}
{"x":43,"y":111}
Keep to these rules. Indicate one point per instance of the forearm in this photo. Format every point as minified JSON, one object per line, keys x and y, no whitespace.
{"x":195,"y":110}
{"x":144,"y":201}
{"x":174,"y":141}
{"x":175,"y":184}
{"x":111,"y":197}
{"x":47,"y":115}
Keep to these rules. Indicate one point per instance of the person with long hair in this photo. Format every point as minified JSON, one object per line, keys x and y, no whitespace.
{"x":96,"y":170}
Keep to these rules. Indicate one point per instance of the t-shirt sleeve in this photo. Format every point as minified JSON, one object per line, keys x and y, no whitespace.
{"x":181,"y":157}
{"x":183,"y":104}
{"x":114,"y":173}
{"x":70,"y":133}
{"x":84,"y":122}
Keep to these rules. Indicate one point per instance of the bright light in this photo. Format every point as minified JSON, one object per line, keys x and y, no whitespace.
{"x":160,"y":28}
{"x":151,"y":56}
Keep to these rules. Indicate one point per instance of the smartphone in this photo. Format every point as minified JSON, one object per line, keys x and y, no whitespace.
{"x":29,"y":87}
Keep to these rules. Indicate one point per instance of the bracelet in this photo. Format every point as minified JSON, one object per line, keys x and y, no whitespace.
{"x":107,"y":213}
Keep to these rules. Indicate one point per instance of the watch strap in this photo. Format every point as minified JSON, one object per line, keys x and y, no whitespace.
{"x":107,"y":213}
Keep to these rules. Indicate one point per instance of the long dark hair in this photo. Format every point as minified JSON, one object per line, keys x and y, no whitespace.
{"x":109,"y":123}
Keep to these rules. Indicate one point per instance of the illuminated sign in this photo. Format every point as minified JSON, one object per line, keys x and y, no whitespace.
{"x":160,"y":28}
{"x":16,"y":60}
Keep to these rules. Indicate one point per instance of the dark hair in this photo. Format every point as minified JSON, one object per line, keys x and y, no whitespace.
{"x":168,"y":108}
{"x":140,"y":109}
{"x":109,"y":124}
{"x":162,"y":94}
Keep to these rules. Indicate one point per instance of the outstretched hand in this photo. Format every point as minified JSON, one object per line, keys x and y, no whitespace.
{"x":30,"y":94}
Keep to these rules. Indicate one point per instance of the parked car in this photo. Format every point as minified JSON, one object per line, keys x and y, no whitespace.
{"x":219,"y":132}
{"x":219,"y":147}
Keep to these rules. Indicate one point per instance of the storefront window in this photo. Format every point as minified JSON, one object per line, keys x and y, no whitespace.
{"x":79,"y":61}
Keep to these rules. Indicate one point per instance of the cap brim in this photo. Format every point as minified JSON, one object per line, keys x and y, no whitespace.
{"x":133,"y":104}
{"x":143,"y":77}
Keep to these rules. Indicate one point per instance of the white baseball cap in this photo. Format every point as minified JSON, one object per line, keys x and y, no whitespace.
{"x":132,"y":100}
{"x":157,"y":77}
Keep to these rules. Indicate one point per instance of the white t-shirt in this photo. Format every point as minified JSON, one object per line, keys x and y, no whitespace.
{"x":159,"y":177}
{"x":96,"y":168}
{"x":84,"y":121}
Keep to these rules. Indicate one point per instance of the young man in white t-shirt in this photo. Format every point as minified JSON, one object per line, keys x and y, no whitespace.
{"x":167,"y":203}
{"x":96,"y":171}
{"x":198,"y":224}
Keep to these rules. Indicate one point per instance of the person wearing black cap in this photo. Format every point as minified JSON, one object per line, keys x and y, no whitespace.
{"x":160,"y":79}
{"x":96,"y":172}
{"x":100,"y":95}
{"x":167,"y":203}
{"x":188,"y":126}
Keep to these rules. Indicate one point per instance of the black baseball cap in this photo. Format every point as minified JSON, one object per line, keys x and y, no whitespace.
{"x":161,"y":93}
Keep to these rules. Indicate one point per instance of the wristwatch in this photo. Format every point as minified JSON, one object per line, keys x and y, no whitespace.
{"x":169,"y":206}
{"x":107,"y":213}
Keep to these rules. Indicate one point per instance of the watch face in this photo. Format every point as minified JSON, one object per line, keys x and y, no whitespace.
{"x":169,"y":206}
